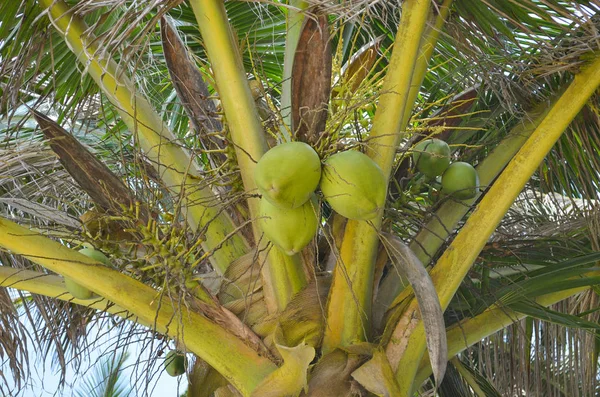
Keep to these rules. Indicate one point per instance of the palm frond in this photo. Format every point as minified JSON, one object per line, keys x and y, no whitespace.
{"x":107,"y":380}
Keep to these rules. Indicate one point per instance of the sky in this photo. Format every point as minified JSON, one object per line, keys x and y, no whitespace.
{"x":44,"y":380}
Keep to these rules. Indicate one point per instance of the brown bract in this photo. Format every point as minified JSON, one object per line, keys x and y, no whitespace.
{"x":311,"y":80}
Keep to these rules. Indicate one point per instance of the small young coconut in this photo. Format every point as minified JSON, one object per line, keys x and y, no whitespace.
{"x":460,"y":181}
{"x":353,"y":185}
{"x":93,"y":253}
{"x":289,"y":229}
{"x":432,"y":157}
{"x":288,"y":174}
{"x":175,"y":363}
{"x":78,"y":291}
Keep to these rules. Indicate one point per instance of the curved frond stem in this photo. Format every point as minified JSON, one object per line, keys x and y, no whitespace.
{"x":438,"y":18}
{"x":350,"y":297}
{"x":458,"y":258}
{"x":249,"y":139}
{"x":173,"y":164}
{"x":392,"y":285}
{"x":238,"y":363}
{"x":387,"y":124}
{"x":54,"y":287}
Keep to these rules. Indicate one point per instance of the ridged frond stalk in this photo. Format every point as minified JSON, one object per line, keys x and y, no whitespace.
{"x":231,"y":357}
{"x":282,"y":276}
{"x":173,"y":164}
{"x":456,"y":261}
{"x":350,"y":299}
{"x":392,"y":284}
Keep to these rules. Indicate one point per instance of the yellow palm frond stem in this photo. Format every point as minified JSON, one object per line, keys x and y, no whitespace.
{"x":438,"y":18}
{"x":470,"y":331}
{"x":407,"y":342}
{"x":54,"y":287}
{"x":350,"y":299}
{"x":387,"y":124}
{"x":173,"y":164}
{"x":282,"y":275}
{"x":238,"y":363}
{"x":392,"y":285}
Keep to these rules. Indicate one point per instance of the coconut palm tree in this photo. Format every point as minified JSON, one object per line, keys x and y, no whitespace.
{"x":131,"y":197}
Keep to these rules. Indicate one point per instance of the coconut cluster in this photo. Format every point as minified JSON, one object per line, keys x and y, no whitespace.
{"x":287,"y":177}
{"x":459,"y":179}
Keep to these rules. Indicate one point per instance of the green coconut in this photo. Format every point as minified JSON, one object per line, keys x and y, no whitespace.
{"x":432,"y":157}
{"x":460,"y":181}
{"x":288,"y":174}
{"x":94,"y":254}
{"x":353,"y":185}
{"x":78,"y":291}
{"x":289,"y":229}
{"x":175,"y":363}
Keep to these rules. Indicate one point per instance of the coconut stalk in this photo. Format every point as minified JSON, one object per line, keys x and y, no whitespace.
{"x":282,"y":276}
{"x":350,"y":298}
{"x":407,"y":343}
{"x":173,"y":164}
{"x":437,"y":19}
{"x":242,"y":366}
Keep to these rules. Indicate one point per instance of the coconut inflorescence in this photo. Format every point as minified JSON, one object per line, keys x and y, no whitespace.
{"x":354,"y":185}
{"x":460,"y":181}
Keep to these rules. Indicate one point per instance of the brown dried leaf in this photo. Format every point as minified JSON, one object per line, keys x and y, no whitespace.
{"x":104,"y":187}
{"x":359,"y":65}
{"x":204,"y":380}
{"x":190,"y":86}
{"x":311,"y":80}
{"x":332,"y":375}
